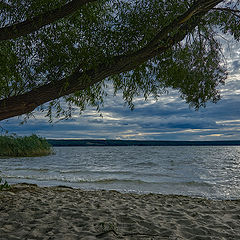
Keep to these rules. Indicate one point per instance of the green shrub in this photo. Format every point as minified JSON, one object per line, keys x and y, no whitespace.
{"x":11,"y":146}
{"x":4,"y":186}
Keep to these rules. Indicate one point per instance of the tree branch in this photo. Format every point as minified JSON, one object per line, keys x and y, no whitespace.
{"x":232,"y":11}
{"x":32,"y":25}
{"x":27,"y":102}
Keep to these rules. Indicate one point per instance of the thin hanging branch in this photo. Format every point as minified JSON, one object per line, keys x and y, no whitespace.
{"x":232,"y":11}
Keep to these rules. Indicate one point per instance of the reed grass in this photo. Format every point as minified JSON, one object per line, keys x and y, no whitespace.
{"x":4,"y":185}
{"x":31,"y":146}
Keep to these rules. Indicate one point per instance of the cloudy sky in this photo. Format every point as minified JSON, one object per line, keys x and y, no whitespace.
{"x":168,"y":119}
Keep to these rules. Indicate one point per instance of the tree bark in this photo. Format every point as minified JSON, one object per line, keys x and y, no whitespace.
{"x":27,"y":102}
{"x":32,"y":25}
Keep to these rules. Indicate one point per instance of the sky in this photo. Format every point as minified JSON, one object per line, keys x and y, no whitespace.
{"x":170,"y":118}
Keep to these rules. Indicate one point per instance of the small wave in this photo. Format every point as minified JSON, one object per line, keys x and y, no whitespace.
{"x":190,"y":183}
{"x":93,"y":172}
{"x":144,"y":164}
{"x":31,"y":169}
{"x":76,"y":180}
{"x":114,"y":180}
{"x":108,"y":181}
{"x":150,"y":174}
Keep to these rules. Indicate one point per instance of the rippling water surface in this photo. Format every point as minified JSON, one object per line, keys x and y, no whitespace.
{"x":212,"y":172}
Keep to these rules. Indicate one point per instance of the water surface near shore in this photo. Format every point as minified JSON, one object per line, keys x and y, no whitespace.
{"x":203,"y":171}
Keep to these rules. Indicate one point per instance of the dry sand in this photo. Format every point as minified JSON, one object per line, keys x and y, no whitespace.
{"x":30,"y":212}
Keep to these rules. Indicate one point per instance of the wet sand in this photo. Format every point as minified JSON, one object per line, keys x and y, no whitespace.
{"x":31,"y":212}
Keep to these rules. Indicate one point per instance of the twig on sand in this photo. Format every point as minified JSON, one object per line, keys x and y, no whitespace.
{"x":141,"y":234}
{"x":126,"y":234}
{"x":105,"y":232}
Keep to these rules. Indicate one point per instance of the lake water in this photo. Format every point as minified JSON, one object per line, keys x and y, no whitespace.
{"x":211,"y":171}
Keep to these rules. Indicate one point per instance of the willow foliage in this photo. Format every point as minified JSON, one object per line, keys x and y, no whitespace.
{"x":102,"y":30}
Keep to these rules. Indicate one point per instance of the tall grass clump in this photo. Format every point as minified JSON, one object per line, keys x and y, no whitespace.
{"x":4,"y":185}
{"x":31,"y":146}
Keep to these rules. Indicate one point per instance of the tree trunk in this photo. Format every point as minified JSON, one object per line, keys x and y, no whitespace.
{"x":27,"y":102}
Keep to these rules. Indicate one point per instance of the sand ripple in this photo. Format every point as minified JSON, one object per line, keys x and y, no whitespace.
{"x":30,"y":212}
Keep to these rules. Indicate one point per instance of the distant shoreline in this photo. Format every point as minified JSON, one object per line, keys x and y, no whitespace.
{"x":104,"y":143}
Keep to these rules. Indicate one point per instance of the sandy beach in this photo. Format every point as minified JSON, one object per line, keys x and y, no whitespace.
{"x":31,"y":212}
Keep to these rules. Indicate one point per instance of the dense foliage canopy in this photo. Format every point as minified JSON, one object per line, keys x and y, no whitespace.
{"x":67,"y":52}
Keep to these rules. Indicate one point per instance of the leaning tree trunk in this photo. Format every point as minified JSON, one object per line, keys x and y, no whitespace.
{"x":27,"y":102}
